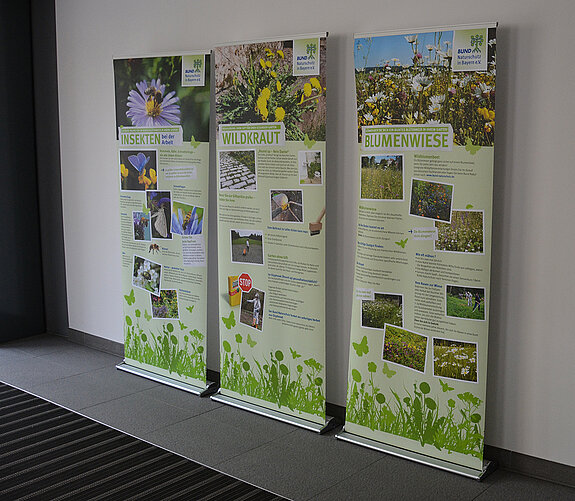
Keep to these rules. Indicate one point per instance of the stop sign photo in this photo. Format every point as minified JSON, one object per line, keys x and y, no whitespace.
{"x":245,"y":282}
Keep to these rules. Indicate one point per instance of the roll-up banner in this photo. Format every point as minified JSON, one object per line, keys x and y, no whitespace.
{"x":162,"y":132}
{"x":418,"y":354}
{"x":271,"y":121}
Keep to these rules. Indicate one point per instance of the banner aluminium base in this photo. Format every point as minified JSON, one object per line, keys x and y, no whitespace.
{"x":190,"y":388}
{"x":488,"y":466}
{"x":330,"y":423}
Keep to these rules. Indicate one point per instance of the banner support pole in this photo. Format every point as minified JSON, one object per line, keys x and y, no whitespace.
{"x":180,"y":385}
{"x":488,"y":466}
{"x":330,"y":422}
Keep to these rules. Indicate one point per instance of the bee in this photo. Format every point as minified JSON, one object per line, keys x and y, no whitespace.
{"x":187,"y":219}
{"x":154,"y":95}
{"x":154,"y":248}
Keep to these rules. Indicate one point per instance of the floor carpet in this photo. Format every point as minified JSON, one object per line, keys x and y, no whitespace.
{"x":50,"y":453}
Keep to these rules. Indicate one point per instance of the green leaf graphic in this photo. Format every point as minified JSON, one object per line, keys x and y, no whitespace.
{"x":194,"y":143}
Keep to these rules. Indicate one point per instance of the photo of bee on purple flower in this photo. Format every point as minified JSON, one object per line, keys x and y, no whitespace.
{"x":149,"y":93}
{"x":138,"y":170}
{"x":159,"y":204}
{"x":141,"y":223}
{"x":187,"y":219}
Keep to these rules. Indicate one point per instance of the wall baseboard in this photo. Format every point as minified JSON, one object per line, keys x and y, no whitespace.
{"x":508,"y":460}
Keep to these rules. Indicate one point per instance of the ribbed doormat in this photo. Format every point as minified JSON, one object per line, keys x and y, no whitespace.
{"x":51,"y":453}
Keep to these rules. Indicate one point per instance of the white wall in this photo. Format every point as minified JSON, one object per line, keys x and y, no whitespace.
{"x":531,"y":389}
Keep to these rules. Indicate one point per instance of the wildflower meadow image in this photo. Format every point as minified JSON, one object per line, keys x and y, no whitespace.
{"x":382,"y":177}
{"x":383,"y":309}
{"x":149,"y":93}
{"x":431,"y":200}
{"x":165,"y":305}
{"x":265,"y":89}
{"x":404,"y":347}
{"x":455,"y":359}
{"x":463,"y":234}
{"x":408,"y":79}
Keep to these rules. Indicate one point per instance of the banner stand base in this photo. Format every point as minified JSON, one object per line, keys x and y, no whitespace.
{"x":190,"y":388}
{"x":488,"y":466}
{"x":279,"y":416}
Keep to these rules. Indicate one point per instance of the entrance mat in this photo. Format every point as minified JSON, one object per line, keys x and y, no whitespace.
{"x":48,"y":452}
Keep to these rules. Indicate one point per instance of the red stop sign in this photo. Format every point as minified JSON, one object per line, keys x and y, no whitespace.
{"x":245,"y":282}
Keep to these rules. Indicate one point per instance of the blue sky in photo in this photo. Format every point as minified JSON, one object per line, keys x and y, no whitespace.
{"x":385,"y":48}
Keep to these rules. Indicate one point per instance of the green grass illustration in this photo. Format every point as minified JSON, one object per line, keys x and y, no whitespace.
{"x":178,"y":351}
{"x":454,"y":426}
{"x":273,"y":379}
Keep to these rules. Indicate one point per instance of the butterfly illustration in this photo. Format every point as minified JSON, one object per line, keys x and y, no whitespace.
{"x":190,"y":308}
{"x":469,"y":206}
{"x":194,"y":143}
{"x":130,"y":298}
{"x":250,"y":341}
{"x":402,"y":243}
{"x":147,"y":316}
{"x":308,"y":142}
{"x":230,"y":321}
{"x":294,"y":353}
{"x":182,"y":326}
{"x":145,"y":210}
{"x":472,"y":148}
{"x":445,"y":386}
{"x":387,"y":371}
{"x":361,"y":348}
{"x":139,"y":161}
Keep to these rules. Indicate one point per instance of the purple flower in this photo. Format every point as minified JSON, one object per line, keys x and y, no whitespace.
{"x":187,"y":223}
{"x":149,"y":107}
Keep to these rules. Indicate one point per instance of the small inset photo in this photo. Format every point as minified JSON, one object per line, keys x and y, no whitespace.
{"x":165,"y":305}
{"x":286,"y":206}
{"x":237,"y":170}
{"x":431,"y":200}
{"x":382,"y":177}
{"x":465,"y":302}
{"x":138,"y":170}
{"x":247,"y":246}
{"x":141,"y":223}
{"x":404,"y":347}
{"x":309,"y":167}
{"x":455,"y":360}
{"x":159,"y":203}
{"x":187,"y":219}
{"x":463,"y":234}
{"x":383,"y":309}
{"x":252,"y":308}
{"x":146,"y":275}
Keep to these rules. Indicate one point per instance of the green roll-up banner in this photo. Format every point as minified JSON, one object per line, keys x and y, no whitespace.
{"x":162,"y":119}
{"x":271,"y":120}
{"x":418,"y":354}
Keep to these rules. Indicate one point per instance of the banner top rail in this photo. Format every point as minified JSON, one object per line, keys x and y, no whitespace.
{"x":427,"y":29}
{"x":164,"y":54}
{"x":322,"y":34}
